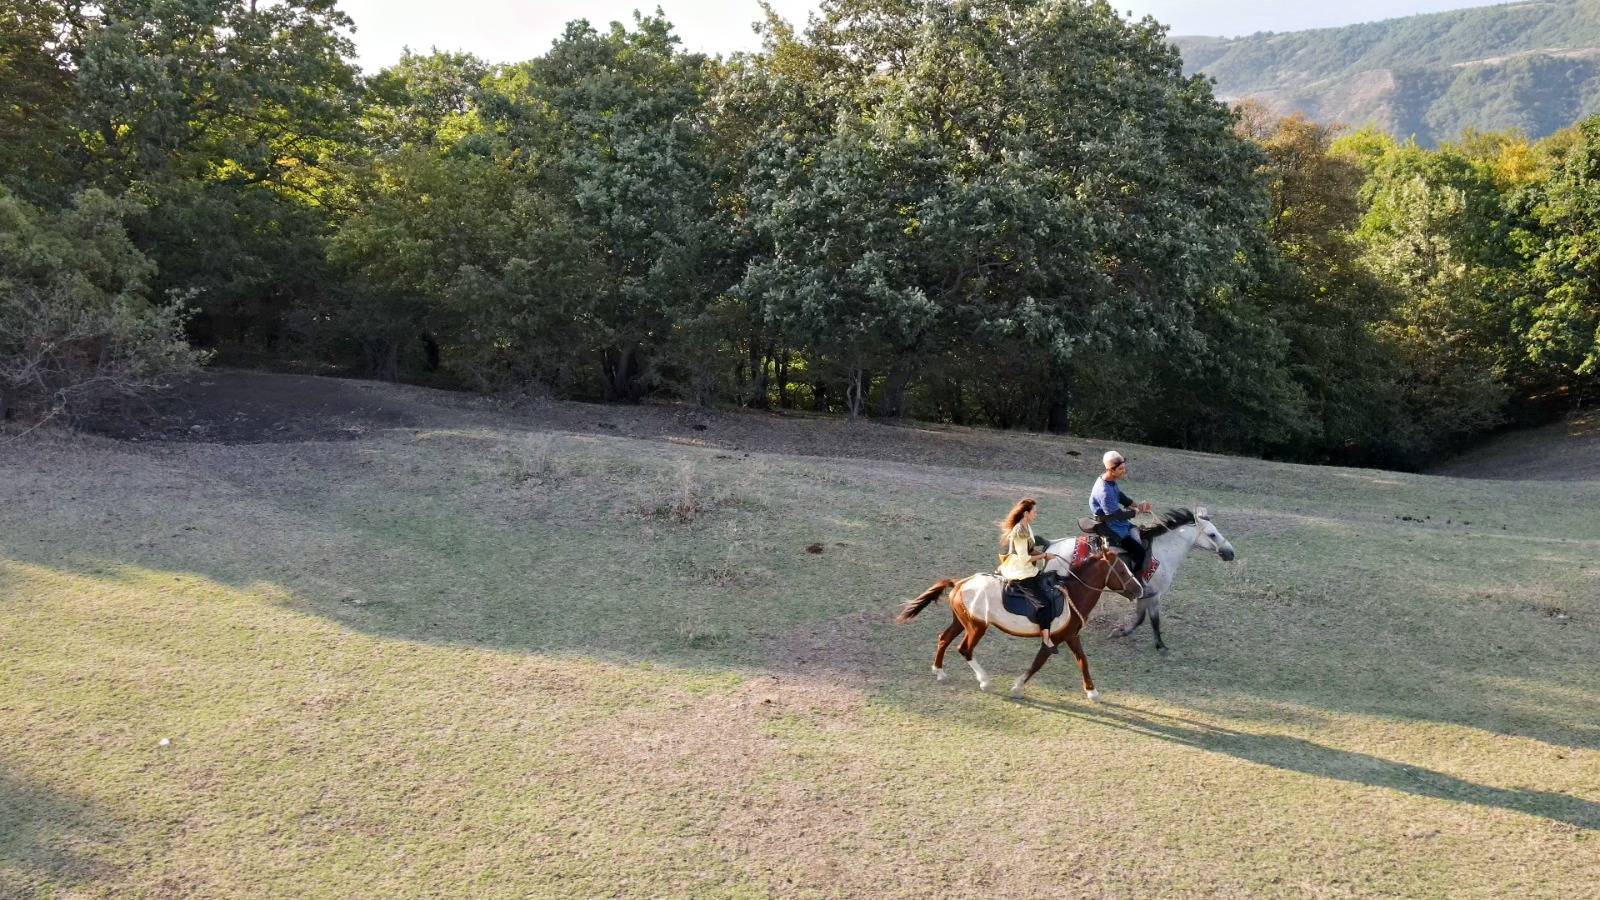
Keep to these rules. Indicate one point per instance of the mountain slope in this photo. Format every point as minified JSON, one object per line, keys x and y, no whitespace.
{"x":1533,"y":66}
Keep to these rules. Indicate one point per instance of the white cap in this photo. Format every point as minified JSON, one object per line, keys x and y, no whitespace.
{"x":1111,"y":458}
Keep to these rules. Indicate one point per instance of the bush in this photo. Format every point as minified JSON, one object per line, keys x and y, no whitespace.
{"x":76,"y":328}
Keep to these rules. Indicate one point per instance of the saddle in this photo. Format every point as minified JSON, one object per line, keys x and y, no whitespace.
{"x":1023,"y":598}
{"x":1091,"y":529}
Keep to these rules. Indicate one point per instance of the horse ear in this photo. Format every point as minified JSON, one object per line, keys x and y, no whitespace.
{"x":1202,"y":513}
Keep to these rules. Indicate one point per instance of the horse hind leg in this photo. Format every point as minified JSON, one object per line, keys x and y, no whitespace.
{"x":969,"y":646}
{"x":944,"y":643}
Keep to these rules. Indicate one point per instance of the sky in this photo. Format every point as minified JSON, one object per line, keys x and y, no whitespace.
{"x":511,"y":31}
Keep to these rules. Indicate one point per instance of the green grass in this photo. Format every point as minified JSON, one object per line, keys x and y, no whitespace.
{"x":505,"y":662}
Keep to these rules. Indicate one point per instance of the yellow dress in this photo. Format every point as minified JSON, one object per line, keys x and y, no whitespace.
{"x":1019,"y":546}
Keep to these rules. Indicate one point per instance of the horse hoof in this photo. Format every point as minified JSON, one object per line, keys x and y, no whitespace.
{"x":983,"y":685}
{"x":1016,"y":688}
{"x":1094,"y":696}
{"x":938,"y":674}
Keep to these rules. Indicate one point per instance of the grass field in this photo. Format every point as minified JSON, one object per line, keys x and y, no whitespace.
{"x":553,"y":652}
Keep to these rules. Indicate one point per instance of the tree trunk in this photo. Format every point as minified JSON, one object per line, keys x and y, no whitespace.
{"x":705,"y":381}
{"x":757,"y":394}
{"x":430,"y":352}
{"x":892,"y":405}
{"x":391,"y":361}
{"x":619,"y":375}
{"x":785,"y":399}
{"x":1056,"y":417}
{"x":1058,"y":397}
{"x":958,"y":402}
{"x":855,"y":392}
{"x":383,"y":358}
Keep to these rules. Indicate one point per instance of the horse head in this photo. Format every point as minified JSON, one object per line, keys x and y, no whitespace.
{"x":1207,"y":536}
{"x":1119,"y":578}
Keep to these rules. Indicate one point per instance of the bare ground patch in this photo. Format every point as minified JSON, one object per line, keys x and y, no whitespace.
{"x":229,"y":407}
{"x":245,"y":407}
{"x":844,"y":653}
{"x":1566,"y":451}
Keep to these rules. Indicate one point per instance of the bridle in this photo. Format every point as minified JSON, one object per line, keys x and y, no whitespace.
{"x":1083,"y":620}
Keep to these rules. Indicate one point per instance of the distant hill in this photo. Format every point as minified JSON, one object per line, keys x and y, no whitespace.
{"x":1533,"y":66}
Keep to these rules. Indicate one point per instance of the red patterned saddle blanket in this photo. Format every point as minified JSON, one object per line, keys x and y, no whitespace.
{"x":1080,"y":555}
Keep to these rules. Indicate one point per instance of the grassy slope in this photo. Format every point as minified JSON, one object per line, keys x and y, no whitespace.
{"x":499,"y":659}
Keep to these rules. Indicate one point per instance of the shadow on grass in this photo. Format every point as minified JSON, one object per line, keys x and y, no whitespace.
{"x":46,"y":840}
{"x":409,"y":552}
{"x":519,"y":606}
{"x":1300,"y":755}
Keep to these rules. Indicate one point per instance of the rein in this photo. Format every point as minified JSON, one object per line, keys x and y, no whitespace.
{"x":1083,"y":620}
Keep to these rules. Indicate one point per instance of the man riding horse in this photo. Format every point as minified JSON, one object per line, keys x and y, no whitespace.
{"x":1086,"y":566}
{"x":1115,"y":510}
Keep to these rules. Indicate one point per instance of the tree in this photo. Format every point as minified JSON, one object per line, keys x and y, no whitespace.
{"x":227,"y":120}
{"x":1434,"y":231}
{"x":76,"y":325}
{"x":630,"y":144}
{"x":1037,"y":180}
{"x":1559,"y":238}
{"x":426,"y":101}
{"x":1320,"y":296}
{"x":36,"y":92}
{"x":461,"y":247}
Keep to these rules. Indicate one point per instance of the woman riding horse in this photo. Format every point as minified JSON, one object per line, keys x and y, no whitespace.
{"x":1023,"y":569}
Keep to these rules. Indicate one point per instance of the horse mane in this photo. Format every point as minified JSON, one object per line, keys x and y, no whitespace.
{"x":1170,"y":520}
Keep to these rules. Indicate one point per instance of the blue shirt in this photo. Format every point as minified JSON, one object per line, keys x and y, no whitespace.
{"x":1106,"y":498}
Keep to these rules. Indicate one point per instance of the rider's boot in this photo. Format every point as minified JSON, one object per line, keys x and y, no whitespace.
{"x":1145,"y":593}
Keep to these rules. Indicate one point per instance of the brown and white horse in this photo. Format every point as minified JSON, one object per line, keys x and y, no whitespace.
{"x":976,"y":605}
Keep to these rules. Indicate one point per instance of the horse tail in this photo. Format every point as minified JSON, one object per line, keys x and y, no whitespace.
{"x":911,"y":607}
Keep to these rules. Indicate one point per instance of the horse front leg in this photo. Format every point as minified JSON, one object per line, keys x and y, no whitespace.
{"x":1138,"y":619}
{"x":1155,"y":624}
{"x":1039,"y":659}
{"x":1075,"y":644}
{"x":944,"y":643}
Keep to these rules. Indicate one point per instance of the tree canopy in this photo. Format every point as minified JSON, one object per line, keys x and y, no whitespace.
{"x":1019,"y":213}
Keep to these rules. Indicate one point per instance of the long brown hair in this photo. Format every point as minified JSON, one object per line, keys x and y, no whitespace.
{"x":1015,"y":516}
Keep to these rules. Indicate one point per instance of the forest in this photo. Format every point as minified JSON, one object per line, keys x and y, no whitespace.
{"x":1010,"y":213}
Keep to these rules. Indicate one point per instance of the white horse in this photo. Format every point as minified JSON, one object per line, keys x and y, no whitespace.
{"x":1178,"y":532}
